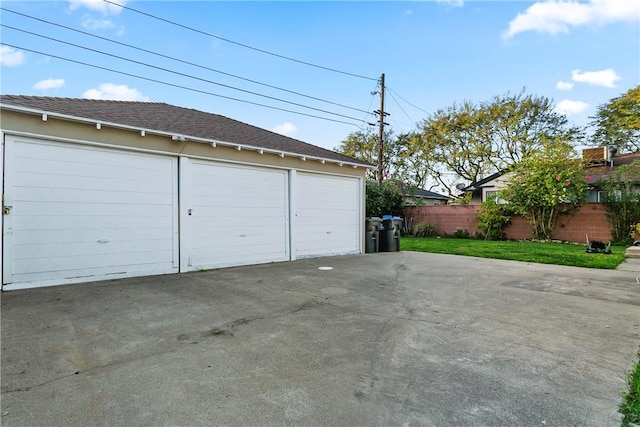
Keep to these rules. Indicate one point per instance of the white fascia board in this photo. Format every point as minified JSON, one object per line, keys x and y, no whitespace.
{"x":139,"y":130}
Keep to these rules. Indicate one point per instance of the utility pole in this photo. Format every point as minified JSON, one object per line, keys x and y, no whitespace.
{"x":381,"y":114}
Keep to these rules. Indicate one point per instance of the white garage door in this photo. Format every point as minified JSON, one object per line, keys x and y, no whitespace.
{"x":80,"y":213}
{"x":327,"y":215}
{"x":238,"y":215}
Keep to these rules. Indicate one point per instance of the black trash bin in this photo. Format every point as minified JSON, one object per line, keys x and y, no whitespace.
{"x":372,"y":235}
{"x":389,"y":234}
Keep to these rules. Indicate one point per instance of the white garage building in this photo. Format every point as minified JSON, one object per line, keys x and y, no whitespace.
{"x":96,"y":190}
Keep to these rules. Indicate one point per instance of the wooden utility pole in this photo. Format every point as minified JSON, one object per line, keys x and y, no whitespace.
{"x":381,"y":114}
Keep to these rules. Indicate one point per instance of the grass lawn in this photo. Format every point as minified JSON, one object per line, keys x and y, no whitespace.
{"x":630,"y":406}
{"x":540,"y":252}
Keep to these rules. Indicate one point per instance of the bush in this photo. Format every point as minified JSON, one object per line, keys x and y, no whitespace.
{"x":425,"y":229}
{"x":385,"y":199}
{"x":461,"y":233}
{"x":630,"y":406}
{"x":478,"y":235}
{"x":492,"y":218}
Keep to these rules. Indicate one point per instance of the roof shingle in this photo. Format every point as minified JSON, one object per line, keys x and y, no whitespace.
{"x":166,"y":118}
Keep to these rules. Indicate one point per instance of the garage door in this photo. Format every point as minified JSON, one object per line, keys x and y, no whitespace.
{"x":79,"y":213}
{"x":327,"y":214}
{"x":237,"y":215}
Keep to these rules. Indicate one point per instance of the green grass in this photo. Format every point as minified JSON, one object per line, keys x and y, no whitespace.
{"x":630,"y":406}
{"x":540,"y":252}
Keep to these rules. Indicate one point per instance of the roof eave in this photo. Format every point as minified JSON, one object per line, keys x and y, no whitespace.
{"x":177,"y":137}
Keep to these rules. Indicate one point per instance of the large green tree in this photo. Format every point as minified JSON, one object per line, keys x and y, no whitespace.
{"x":544,"y":184}
{"x":363,"y":145}
{"x":617,"y":122}
{"x":475,"y":140}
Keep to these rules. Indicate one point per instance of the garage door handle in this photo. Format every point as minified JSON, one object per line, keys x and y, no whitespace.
{"x":7,"y":210}
{"x":103,"y":241}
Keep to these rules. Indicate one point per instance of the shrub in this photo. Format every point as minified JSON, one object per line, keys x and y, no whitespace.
{"x":630,"y":406}
{"x":492,"y":218}
{"x":387,"y":198}
{"x":478,"y":235}
{"x":425,"y":229}
{"x":461,"y":233}
{"x":544,"y":184}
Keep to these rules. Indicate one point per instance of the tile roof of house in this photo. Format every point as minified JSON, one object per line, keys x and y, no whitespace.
{"x":430,"y":194}
{"x":601,"y":170}
{"x":170,"y":119}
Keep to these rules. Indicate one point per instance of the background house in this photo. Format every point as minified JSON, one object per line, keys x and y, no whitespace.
{"x":482,"y":189}
{"x":602,"y":163}
{"x":602,"y":167}
{"x":422,"y":197}
{"x":99,"y":190}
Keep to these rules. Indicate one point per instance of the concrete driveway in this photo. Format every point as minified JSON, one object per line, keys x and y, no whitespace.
{"x":380,"y":340}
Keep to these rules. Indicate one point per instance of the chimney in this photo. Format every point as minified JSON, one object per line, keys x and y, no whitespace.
{"x":595,"y":154}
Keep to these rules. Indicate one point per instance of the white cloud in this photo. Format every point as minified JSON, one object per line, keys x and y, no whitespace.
{"x":606,"y":78}
{"x":96,"y":24}
{"x":564,"y":85}
{"x":553,"y":17}
{"x":569,"y":107}
{"x":286,"y":129}
{"x":11,"y":57}
{"x":49,"y":84}
{"x":115,"y":92}
{"x":97,"y":6}
{"x":454,"y":3}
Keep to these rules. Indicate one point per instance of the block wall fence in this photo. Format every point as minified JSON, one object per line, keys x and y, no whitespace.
{"x":588,"y":220}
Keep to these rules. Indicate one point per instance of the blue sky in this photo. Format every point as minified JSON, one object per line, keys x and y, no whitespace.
{"x":433,"y":54}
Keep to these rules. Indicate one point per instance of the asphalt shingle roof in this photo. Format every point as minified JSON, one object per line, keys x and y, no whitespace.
{"x":166,"y":118}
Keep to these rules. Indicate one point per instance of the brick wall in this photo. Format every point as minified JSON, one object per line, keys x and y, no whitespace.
{"x":589,"y":219}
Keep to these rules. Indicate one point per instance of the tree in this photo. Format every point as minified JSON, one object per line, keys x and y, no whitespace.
{"x":544,"y":184}
{"x":617,"y":122}
{"x":387,"y":198}
{"x":413,"y":163}
{"x":520,"y":125}
{"x":476,"y":140}
{"x":363,"y":145}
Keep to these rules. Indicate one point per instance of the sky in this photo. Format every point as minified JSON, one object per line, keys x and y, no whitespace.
{"x":314,"y":67}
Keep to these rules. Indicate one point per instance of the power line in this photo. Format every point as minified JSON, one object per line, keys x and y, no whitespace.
{"x":183,"y":61}
{"x":400,"y":106}
{"x":178,"y":73}
{"x":237,"y":43}
{"x":174,"y":85}
{"x":414,"y":106}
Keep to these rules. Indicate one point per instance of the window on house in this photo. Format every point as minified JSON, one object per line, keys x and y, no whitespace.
{"x":602,"y":195}
{"x":499,"y":200}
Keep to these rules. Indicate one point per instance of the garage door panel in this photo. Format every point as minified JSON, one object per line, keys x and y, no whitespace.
{"x":79,"y":169}
{"x":229,"y":201}
{"x":80,"y":208}
{"x":62,"y":195}
{"x":77,"y":275}
{"x":239,"y":215}
{"x":97,"y":247}
{"x":106,"y":222}
{"x":41,"y":236}
{"x":327,"y":215}
{"x":78,"y":182}
{"x":49,"y":152}
{"x":90,"y":212}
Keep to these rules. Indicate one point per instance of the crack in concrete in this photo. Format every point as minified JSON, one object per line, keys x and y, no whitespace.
{"x":224,"y":330}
